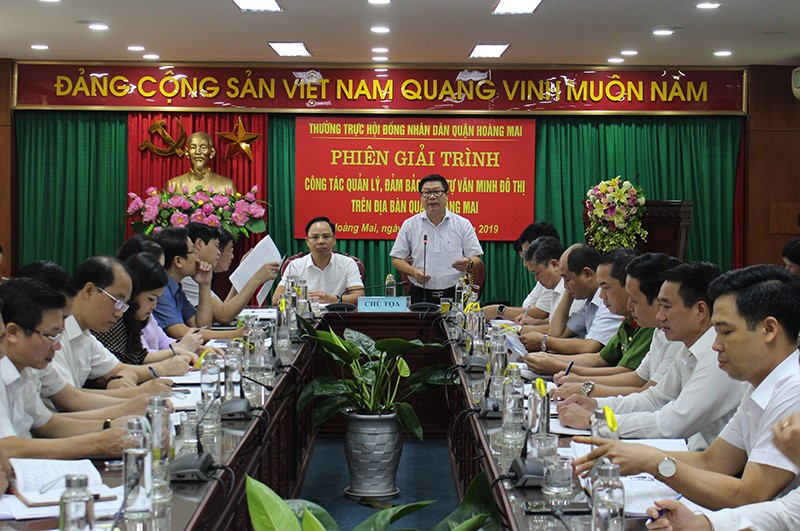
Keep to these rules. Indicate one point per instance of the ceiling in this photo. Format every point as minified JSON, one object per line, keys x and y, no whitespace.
{"x":440,"y":32}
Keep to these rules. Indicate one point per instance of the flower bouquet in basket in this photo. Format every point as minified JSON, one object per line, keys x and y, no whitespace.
{"x":241,"y":214}
{"x":615,"y":209}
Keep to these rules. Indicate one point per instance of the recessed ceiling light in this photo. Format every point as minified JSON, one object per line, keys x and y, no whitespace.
{"x":98,"y":26}
{"x":136,"y":48}
{"x":290,"y":49}
{"x":151,"y":56}
{"x":258,"y":5}
{"x":723,"y":53}
{"x":380,"y":2}
{"x":380,"y":58}
{"x":488,"y":50}
{"x":381,"y":69}
{"x":628,"y":52}
{"x":616,"y":60}
{"x":515,"y":7}
{"x":380,"y":50}
{"x":663,"y":32}
{"x":40,"y":47}
{"x":707,"y":5}
{"x":50,"y":0}
{"x":166,"y":67}
{"x":379,"y":29}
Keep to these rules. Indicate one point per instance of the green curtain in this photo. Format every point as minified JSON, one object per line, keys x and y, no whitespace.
{"x":685,"y":158}
{"x":73,"y":178}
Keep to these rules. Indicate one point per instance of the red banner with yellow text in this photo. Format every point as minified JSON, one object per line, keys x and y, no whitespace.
{"x":441,"y":90}
{"x":363,"y":172}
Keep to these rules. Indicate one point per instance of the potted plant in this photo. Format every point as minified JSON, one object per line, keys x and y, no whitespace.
{"x":370,"y":396}
{"x":269,"y":512}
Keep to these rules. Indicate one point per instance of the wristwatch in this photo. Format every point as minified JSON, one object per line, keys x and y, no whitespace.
{"x":543,"y":344}
{"x":667,"y":467}
{"x":586,"y":388}
{"x":501,"y":309}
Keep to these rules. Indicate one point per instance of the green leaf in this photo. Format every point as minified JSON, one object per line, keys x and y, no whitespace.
{"x":300,"y":506}
{"x":381,"y":520}
{"x":328,"y":407}
{"x":256,"y":225}
{"x":478,"y":500}
{"x":268,"y":512}
{"x":394,"y":347}
{"x":402,"y":368}
{"x":431,"y":377}
{"x":408,"y":419}
{"x":473,"y":524}
{"x":310,"y":522}
{"x":325,"y":385}
{"x":366,"y":343}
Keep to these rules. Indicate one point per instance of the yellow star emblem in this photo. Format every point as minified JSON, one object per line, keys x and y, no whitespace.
{"x":239,"y":141}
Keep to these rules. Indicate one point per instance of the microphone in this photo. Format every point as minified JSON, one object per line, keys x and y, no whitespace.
{"x":424,"y":263}
{"x":236,"y":408}
{"x":194,"y":467}
{"x":472,"y":363}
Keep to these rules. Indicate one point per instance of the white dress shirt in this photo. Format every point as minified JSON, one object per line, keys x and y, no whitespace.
{"x":782,"y":514}
{"x":341,"y":273}
{"x":694,"y":400}
{"x":21,"y":409}
{"x":81,"y":356}
{"x":192,"y":291}
{"x":659,"y":358}
{"x":595,"y":321}
{"x":539,"y":297}
{"x":452,"y":239}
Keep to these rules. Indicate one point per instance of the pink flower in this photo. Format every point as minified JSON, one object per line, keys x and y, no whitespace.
{"x":156,"y":230}
{"x":176,"y":201}
{"x":219,"y":201}
{"x":254,"y":189}
{"x":151,"y":191}
{"x":178,"y":219}
{"x":208,"y":208}
{"x":171,"y":189}
{"x":213,"y":220}
{"x":239,"y":218}
{"x":241,"y":204}
{"x":250,"y":197}
{"x":226,"y":207}
{"x":185,"y":189}
{"x":136,"y":203}
{"x":201,"y":196}
{"x":186,"y":204}
{"x":256,"y":210}
{"x":198,"y":216}
{"x":150,"y":213}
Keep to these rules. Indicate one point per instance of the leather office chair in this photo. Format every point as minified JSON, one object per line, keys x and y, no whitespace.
{"x":361,"y":269}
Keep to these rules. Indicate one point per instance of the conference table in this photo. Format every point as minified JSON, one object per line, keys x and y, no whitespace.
{"x":275,"y":446}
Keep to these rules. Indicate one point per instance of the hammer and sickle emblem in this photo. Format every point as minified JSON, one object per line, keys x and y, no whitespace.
{"x":173,"y":146}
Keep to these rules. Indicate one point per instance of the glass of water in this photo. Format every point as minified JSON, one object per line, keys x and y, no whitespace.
{"x":557,"y":476}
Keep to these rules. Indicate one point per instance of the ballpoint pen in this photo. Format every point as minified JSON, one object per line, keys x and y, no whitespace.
{"x":661,"y":512}
{"x":569,"y":368}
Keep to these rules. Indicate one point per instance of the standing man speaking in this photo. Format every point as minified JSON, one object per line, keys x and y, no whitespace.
{"x":442,"y":245}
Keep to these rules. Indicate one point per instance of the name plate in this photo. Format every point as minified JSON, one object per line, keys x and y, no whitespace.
{"x":382,"y":304}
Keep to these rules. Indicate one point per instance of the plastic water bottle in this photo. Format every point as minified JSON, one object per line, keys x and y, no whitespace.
{"x":137,"y":477}
{"x":160,"y":431}
{"x":210,"y":391}
{"x":499,"y":361}
{"x":233,"y":369}
{"x":283,"y":338}
{"x":599,"y":426}
{"x":513,"y":428}
{"x":77,"y":505}
{"x":390,"y":286}
{"x":608,"y":498}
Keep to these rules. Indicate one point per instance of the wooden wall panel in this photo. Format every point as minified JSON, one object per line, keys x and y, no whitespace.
{"x":772,"y":161}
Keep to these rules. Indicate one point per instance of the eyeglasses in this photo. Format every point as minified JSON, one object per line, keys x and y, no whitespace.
{"x":432,"y":193}
{"x":54,"y":339}
{"x":317,"y":237}
{"x":119,"y":305}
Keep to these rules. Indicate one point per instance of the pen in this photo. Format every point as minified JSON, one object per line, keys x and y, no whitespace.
{"x":661,"y":512}
{"x":173,"y":350}
{"x":152,"y":371}
{"x":569,"y":368}
{"x":180,"y":391}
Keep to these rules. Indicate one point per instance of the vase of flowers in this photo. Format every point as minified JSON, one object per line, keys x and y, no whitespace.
{"x":614,"y":209}
{"x":241,"y":214}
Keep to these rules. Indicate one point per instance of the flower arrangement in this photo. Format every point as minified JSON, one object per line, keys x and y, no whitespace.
{"x":241,"y":214}
{"x":615,"y":209}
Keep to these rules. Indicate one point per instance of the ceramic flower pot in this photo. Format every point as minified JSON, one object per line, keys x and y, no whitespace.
{"x":372,"y":446}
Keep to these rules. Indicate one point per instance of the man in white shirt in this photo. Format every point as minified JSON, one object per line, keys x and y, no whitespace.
{"x":536,"y":305}
{"x":329,"y":276}
{"x":757,"y":323}
{"x":695,"y":399}
{"x":441,"y":244}
{"x":34,"y":329}
{"x":586,"y":330}
{"x":643,"y":282}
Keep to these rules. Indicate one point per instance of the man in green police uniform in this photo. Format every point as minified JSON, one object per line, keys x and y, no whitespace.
{"x":631,"y":342}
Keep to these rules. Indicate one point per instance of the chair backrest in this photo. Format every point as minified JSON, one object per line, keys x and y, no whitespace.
{"x":475,"y":277}
{"x":361,"y":269}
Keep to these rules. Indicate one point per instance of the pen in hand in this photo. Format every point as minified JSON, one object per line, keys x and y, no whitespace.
{"x":173,"y":350}
{"x":569,"y":368}
{"x":662,"y":512}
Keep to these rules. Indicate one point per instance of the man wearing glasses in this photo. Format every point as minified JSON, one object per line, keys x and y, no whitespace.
{"x":328,"y":275}
{"x":442,"y":245}
{"x":34,"y":331}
